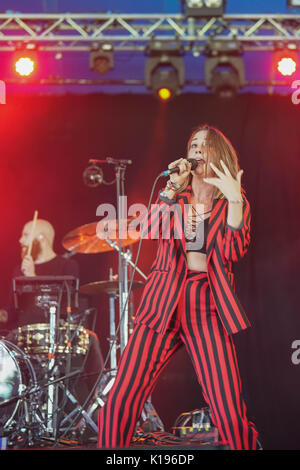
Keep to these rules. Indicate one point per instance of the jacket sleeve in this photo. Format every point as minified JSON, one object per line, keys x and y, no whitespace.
{"x":157,"y":221}
{"x":236,"y":240}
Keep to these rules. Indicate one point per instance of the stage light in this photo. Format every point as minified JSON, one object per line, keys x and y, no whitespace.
{"x":101,"y":58}
{"x":285,"y":59}
{"x":203,"y":8}
{"x":164,"y":69}
{"x":224,"y":68}
{"x":293,"y":3}
{"x":287,"y":66}
{"x":24,"y":66}
{"x":25,"y":60}
{"x":164,"y":93}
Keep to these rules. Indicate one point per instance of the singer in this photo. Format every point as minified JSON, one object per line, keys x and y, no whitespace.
{"x":189,"y":298}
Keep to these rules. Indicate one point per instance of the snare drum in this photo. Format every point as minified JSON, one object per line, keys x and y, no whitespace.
{"x":70,"y":339}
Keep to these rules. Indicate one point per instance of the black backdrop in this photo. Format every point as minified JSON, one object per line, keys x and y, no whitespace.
{"x":45,"y":145}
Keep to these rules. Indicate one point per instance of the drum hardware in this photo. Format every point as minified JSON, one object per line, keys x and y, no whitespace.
{"x":54,"y":288}
{"x":110,"y":287}
{"x":78,"y":410}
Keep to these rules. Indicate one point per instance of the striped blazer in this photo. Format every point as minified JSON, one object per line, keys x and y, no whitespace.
{"x":224,"y":246}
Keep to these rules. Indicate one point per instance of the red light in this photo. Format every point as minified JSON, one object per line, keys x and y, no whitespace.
{"x":164,"y":94}
{"x":287,"y":66}
{"x":24,"y":66}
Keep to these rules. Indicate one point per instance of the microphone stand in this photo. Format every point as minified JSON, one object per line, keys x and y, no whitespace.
{"x":120,"y":168}
{"x":149,"y":413}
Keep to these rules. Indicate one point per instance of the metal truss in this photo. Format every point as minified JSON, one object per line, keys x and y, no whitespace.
{"x":77,"y":32}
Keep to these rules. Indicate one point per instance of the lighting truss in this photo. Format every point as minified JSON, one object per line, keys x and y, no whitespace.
{"x":76,"y":32}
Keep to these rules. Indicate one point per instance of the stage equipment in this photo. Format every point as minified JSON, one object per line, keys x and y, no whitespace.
{"x":25,"y":59}
{"x":98,"y":237}
{"x":203,"y":8}
{"x":117,"y":287}
{"x":48,"y":405}
{"x":196,"y":425}
{"x":99,"y":287}
{"x":164,"y":68}
{"x":224,"y":67}
{"x":101,"y":58}
{"x":285,"y":59}
{"x":293,"y":3}
{"x":35,"y":339}
{"x":60,"y":33}
{"x":19,"y":396}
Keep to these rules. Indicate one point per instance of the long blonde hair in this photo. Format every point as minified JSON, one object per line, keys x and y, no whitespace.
{"x":218,"y":148}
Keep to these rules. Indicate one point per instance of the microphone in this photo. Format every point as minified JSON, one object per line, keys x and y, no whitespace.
{"x":93,"y":175}
{"x":168,"y":172}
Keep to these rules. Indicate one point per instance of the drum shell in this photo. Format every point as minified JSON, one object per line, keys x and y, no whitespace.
{"x":70,"y":339}
{"x":16,"y":376}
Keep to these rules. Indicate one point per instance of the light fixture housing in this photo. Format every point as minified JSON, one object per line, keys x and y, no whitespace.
{"x":102,"y":58}
{"x":164,"y":68}
{"x":293,"y":3}
{"x":224,"y":67}
{"x":25,"y":59}
{"x":285,"y":58}
{"x":203,"y":8}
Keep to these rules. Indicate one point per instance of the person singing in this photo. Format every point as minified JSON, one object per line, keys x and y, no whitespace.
{"x":189,"y":297}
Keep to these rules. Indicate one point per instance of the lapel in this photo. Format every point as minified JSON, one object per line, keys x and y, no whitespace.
{"x":216,"y":220}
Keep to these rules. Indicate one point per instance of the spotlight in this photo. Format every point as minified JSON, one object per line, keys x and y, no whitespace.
{"x":224,"y":68}
{"x":203,"y":8}
{"x":285,"y":59}
{"x":293,"y":3}
{"x":287,"y":66}
{"x":164,"y":94}
{"x":164,"y":69}
{"x":25,"y":60}
{"x":101,"y":58}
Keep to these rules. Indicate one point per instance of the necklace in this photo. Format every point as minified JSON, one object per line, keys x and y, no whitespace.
{"x":200,"y":215}
{"x":195,"y":218}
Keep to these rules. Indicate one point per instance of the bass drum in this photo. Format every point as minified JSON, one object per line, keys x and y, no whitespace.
{"x":16,"y":377}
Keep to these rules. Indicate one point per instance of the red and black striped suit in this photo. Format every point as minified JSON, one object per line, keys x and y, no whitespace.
{"x":195,"y":309}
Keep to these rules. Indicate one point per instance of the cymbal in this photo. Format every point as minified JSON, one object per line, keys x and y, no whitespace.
{"x":90,"y":238}
{"x":96,"y":288}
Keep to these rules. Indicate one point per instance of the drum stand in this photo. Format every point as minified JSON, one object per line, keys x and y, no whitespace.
{"x":49,"y":290}
{"x":52,"y":395}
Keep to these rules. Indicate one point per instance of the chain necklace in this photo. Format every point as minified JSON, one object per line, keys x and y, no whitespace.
{"x":200,"y":215}
{"x":193,"y":221}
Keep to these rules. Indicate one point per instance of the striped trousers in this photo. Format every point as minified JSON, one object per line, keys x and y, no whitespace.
{"x":195,"y":325}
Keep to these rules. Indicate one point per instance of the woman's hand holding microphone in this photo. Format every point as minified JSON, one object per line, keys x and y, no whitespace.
{"x":178,"y":179}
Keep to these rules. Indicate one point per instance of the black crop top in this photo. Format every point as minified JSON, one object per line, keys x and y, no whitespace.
{"x":196,"y":239}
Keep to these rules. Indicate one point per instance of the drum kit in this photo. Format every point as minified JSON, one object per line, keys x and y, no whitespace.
{"x":38,"y":404}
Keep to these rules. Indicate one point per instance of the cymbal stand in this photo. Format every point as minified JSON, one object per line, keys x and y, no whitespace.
{"x":120,"y":167}
{"x":127,"y":256}
{"x":52,"y":395}
{"x":112,"y":329}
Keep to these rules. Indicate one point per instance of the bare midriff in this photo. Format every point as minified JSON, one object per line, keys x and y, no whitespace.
{"x":196,"y":261}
